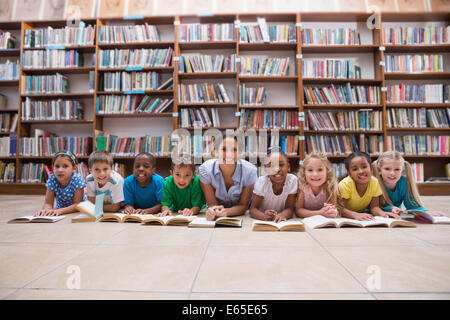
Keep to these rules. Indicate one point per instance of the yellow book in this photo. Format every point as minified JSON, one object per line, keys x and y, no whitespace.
{"x":87,"y":210}
{"x":260,"y":225}
{"x":201,"y":222}
{"x":177,"y":220}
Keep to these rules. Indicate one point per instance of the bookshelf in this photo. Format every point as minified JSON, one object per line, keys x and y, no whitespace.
{"x":285,"y":91}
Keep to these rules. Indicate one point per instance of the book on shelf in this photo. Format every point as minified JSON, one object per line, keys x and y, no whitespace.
{"x":8,"y":122}
{"x":199,"y":117}
{"x":260,"y":31}
{"x":330,"y":36}
{"x":7,"y":172}
{"x":46,"y":144}
{"x":8,"y":146}
{"x":268,"y":119}
{"x":417,"y":170}
{"x":414,"y":63}
{"x":260,"y":225}
{"x":135,"y":58}
{"x":128,"y":33}
{"x":201,"y":222}
{"x":202,"y":93}
{"x":344,"y":144}
{"x":365,"y":120}
{"x":130,"y":146}
{"x":134,"y":81}
{"x":52,"y":109}
{"x":51,"y":84}
{"x":263,"y":66}
{"x":319,"y":221}
{"x":206,"y":32}
{"x":432,"y":34}
{"x":39,"y":219}
{"x":419,"y":145}
{"x":252,"y":96}
{"x":418,"y":118}
{"x":418,"y":93}
{"x":167,"y":85}
{"x":41,"y":59}
{"x":330,"y":68}
{"x":207,"y":63}
{"x":438,"y":180}
{"x":81,"y":35}
{"x":7,"y":40}
{"x":342,"y":94}
{"x":175,"y":220}
{"x":9,"y":70}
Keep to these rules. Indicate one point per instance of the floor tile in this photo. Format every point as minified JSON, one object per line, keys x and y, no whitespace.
{"x":5,"y":292}
{"x":275,"y":270}
{"x":280,"y":296}
{"x":412,"y":296}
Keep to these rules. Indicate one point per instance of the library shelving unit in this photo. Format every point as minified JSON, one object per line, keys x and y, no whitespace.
{"x":285,"y":92}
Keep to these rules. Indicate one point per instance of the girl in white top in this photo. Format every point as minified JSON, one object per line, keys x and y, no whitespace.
{"x":276,"y":191}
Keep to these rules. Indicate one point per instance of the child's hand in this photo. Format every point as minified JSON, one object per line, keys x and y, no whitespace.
{"x":186,"y":212}
{"x":329,"y":211}
{"x":278,"y":218}
{"x":164,"y":213}
{"x":142,"y":211}
{"x":219,"y":211}
{"x":128,"y":210}
{"x":391,"y":215}
{"x":269,"y":215}
{"x":364,"y":217}
{"x":210,"y":214}
{"x":44,"y":212}
{"x":396,"y":210}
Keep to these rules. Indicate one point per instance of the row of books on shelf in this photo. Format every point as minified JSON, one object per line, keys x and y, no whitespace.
{"x":52,"y":110}
{"x":263,"y":66}
{"x":135,"y":58}
{"x":260,"y":31}
{"x":8,"y":146}
{"x":207,"y":63}
{"x":7,"y":40}
{"x":331,"y":68}
{"x":206,"y":32}
{"x":130,"y":81}
{"x":432,"y":34}
{"x":268,"y":119}
{"x":344,"y":144}
{"x":252,"y":96}
{"x":199,"y":117}
{"x":40,"y":172}
{"x":55,"y":83}
{"x":7,"y":172}
{"x":46,"y":144}
{"x":130,"y":146}
{"x":257,"y":146}
{"x":330,"y":36}
{"x":34,"y":59}
{"x":81,"y":35}
{"x":420,"y":145}
{"x":345,"y":120}
{"x":418,"y":118}
{"x":128,"y":33}
{"x":126,"y":104}
{"x":342,"y":94}
{"x":9,"y":70}
{"x":8,"y":122}
{"x":202,"y":93}
{"x":414,"y":63}
{"x":418,"y":93}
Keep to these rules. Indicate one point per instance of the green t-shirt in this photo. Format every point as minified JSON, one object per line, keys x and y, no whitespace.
{"x":179,"y":199}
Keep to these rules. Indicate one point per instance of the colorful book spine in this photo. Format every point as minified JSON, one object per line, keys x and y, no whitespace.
{"x":45,"y":84}
{"x":129,"y":33}
{"x":52,"y":110}
{"x":420,"y":145}
{"x":364,"y":120}
{"x":414,"y":63}
{"x":49,"y":145}
{"x":9,"y":70}
{"x":207,"y":63}
{"x":324,"y":37}
{"x":34,"y":59}
{"x":145,"y":58}
{"x":206,"y":32}
{"x":7,"y":172}
{"x":263,"y":66}
{"x":203,"y":93}
{"x":342,"y":94}
{"x":130,"y":146}
{"x":331,"y":68}
{"x":416,"y":35}
{"x":344,"y":144}
{"x":252,"y":96}
{"x":268,"y":119}
{"x":134,"y":81}
{"x":418,"y":93}
{"x":68,"y":36}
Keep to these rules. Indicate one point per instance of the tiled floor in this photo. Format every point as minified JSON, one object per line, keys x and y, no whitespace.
{"x":131,"y":261}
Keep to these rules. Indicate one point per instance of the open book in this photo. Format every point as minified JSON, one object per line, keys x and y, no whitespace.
{"x":41,"y":219}
{"x":426,"y":216}
{"x":90,"y":212}
{"x":260,"y":225}
{"x":319,"y":221}
{"x":178,"y":220}
{"x":219,"y":222}
{"x":122,"y":217}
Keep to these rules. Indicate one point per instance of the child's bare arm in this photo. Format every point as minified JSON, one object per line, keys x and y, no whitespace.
{"x":48,"y":204}
{"x":153,"y":210}
{"x":242,"y":206}
{"x":288,"y":208}
{"x":377,"y":211}
{"x":112,"y":207}
{"x":346,"y":213}
{"x":255,"y":213}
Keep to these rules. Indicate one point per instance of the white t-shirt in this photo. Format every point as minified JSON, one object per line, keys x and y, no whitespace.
{"x":263,"y":188}
{"x":113,"y":189}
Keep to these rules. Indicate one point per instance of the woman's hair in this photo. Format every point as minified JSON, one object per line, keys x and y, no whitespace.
{"x":330,"y":184}
{"x":412,"y":192}
{"x":68,"y":154}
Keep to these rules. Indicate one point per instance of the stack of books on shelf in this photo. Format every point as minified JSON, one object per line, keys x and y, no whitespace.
{"x":134,"y":81}
{"x":199,"y":117}
{"x":345,"y":94}
{"x":331,"y":68}
{"x":52,"y":110}
{"x":128,"y":33}
{"x":264,"y":66}
{"x":268,"y":119}
{"x":202,"y":93}
{"x":259,"y":31}
{"x":206,"y":32}
{"x":8,"y":122}
{"x":34,"y":84}
{"x":134,"y":58}
{"x":414,"y":63}
{"x":249,"y":96}
{"x":417,"y":170}
{"x":418,"y":118}
{"x":207,"y":63}
{"x":47,"y":144}
{"x":418,"y":93}
{"x":7,"y":40}
{"x":420,"y":145}
{"x":68,"y":36}
{"x":130,"y":146}
{"x":34,"y":173}
{"x":9,"y":70}
{"x":416,"y":35}
{"x":342,"y":145}
{"x":330,"y":36}
{"x":7,"y":172}
{"x":366,"y":120}
{"x":38,"y":59}
{"x":8,"y":146}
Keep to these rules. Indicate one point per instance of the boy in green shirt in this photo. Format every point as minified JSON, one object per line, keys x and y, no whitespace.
{"x":182,"y":193}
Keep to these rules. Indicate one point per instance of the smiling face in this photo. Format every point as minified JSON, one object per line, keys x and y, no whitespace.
{"x":182,"y":176}
{"x":101,"y":171}
{"x":277,"y":168}
{"x":359,"y":170}
{"x":143,"y":170}
{"x":228,"y":151}
{"x":315,"y":173}
{"x":391,"y":171}
{"x":63,"y":169}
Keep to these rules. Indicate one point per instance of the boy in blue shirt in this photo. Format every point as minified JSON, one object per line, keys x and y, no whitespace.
{"x":143,"y":189}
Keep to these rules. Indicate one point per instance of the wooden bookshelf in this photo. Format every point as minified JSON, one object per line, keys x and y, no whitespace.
{"x":433,"y":164}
